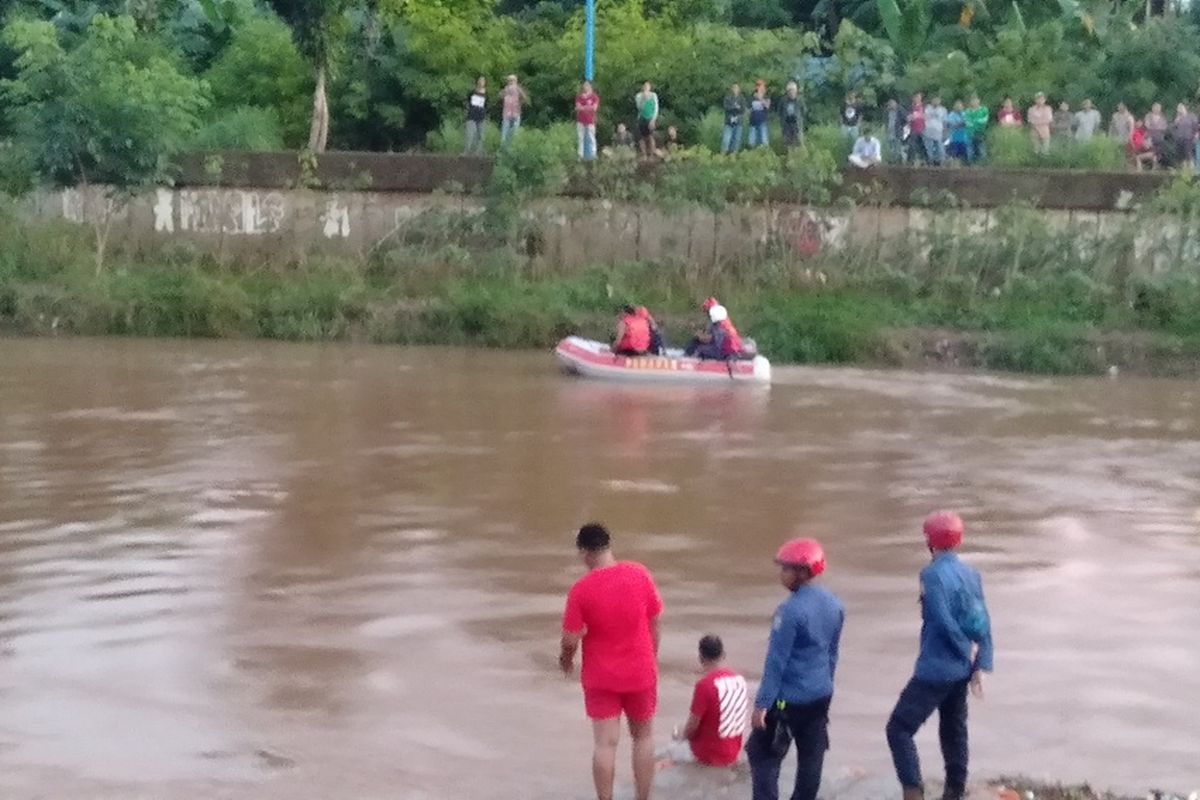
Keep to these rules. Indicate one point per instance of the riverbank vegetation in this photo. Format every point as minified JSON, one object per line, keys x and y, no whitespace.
{"x":394,"y":74}
{"x":1028,"y":296}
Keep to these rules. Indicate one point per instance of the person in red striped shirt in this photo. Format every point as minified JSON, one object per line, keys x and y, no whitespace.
{"x":720,"y":711}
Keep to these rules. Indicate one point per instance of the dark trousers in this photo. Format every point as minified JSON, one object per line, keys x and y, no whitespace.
{"x":791,"y":131}
{"x":917,"y":702}
{"x":808,"y":726}
{"x":657,"y":343}
{"x":699,"y":349}
{"x":916,"y":149}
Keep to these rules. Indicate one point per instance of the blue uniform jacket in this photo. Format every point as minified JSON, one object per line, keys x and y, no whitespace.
{"x":954,"y":617}
{"x":803,"y":652}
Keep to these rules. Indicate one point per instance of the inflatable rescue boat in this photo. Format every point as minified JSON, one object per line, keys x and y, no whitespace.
{"x":593,"y":359}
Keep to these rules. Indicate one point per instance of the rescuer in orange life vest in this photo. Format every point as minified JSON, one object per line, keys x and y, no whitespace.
{"x":720,"y":340}
{"x":657,"y":343}
{"x":633,"y":333}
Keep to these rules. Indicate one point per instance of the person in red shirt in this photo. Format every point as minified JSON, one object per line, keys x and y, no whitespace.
{"x":587,"y":103}
{"x":720,"y":709}
{"x":613,"y":611}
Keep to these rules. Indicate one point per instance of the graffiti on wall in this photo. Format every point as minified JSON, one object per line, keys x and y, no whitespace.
{"x":806,"y":234}
{"x":233,"y":212}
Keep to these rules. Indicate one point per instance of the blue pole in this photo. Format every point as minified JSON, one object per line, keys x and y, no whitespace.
{"x":589,"y":40}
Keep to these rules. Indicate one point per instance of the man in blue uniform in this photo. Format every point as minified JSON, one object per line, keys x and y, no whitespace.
{"x":797,"y":685}
{"x":956,"y":647}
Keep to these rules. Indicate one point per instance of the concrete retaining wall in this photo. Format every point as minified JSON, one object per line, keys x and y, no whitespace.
{"x":280,"y":225}
{"x":396,"y":172}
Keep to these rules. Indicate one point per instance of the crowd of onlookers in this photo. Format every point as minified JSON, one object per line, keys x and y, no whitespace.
{"x":924,"y":131}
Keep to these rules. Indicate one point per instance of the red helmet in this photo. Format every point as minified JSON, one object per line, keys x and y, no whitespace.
{"x":709,"y":303}
{"x":943,"y":530}
{"x":802,"y":553}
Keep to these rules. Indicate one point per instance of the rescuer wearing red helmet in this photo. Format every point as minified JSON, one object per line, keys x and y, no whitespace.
{"x":797,"y":684}
{"x":956,"y":646}
{"x":719,"y":339}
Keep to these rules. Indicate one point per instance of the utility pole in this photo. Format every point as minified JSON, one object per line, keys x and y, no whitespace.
{"x":589,"y":40}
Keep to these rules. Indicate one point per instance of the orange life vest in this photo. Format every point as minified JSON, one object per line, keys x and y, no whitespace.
{"x":637,"y":334}
{"x":732,"y":345}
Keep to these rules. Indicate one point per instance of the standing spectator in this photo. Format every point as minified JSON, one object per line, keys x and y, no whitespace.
{"x":866,"y":152}
{"x":916,"y":131}
{"x":513,"y":97}
{"x":797,"y":684}
{"x":851,"y":116}
{"x":976,"y":117}
{"x":1064,"y":121}
{"x":476,"y":117}
{"x":895,"y":120}
{"x":720,"y":711}
{"x":735,"y":109}
{"x":1087,"y":121}
{"x":587,"y":104}
{"x":1141,"y":147}
{"x":647,"y":110}
{"x":760,"y":107}
{"x":935,"y":131}
{"x":792,"y":110}
{"x":1008,"y":116}
{"x":956,"y":648}
{"x":614,"y":610}
{"x":960,"y":139}
{"x":1183,"y":131}
{"x":1040,"y":117}
{"x":1156,"y":130}
{"x":1120,"y":127}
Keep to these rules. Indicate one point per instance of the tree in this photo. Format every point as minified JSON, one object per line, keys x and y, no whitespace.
{"x":318,"y":27}
{"x":111,"y":110}
{"x":261,"y":68}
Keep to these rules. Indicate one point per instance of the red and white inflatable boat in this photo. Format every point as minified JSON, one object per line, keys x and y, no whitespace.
{"x":593,"y":359}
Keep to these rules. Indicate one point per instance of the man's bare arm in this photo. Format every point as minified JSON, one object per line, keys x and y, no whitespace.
{"x":654,"y":633}
{"x":566,"y":656}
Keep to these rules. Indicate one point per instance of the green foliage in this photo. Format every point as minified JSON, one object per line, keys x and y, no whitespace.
{"x":907,"y":27}
{"x":861,"y":62}
{"x":261,"y":67}
{"x":829,"y":139}
{"x":1154,"y":62}
{"x":1009,"y":147}
{"x":16,"y":169}
{"x":451,"y":137}
{"x":533,"y":163}
{"x":113,"y":108}
{"x":1013,"y":147}
{"x":245,"y":128}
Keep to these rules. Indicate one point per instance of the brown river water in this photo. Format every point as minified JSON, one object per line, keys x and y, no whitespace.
{"x":258,"y":570}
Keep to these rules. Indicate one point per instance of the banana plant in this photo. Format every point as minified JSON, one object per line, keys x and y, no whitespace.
{"x":1099,"y":20}
{"x":907,"y":28}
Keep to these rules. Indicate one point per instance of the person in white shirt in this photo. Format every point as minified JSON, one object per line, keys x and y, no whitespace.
{"x":867,"y":152}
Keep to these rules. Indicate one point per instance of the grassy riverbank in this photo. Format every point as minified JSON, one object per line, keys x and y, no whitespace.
{"x":844,"y":309}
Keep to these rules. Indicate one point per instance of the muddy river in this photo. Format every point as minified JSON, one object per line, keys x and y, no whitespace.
{"x":258,"y":570}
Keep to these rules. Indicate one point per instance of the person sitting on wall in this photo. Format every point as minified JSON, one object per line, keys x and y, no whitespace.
{"x":633,"y":333}
{"x":720,"y":339}
{"x":1141,"y":147}
{"x":867,"y":153}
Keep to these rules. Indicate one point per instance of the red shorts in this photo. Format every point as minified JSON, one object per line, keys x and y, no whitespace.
{"x":637,"y":706}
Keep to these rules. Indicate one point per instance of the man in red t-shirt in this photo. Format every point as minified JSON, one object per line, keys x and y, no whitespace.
{"x":613,"y":611}
{"x":587,"y":103}
{"x":720,"y":709}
